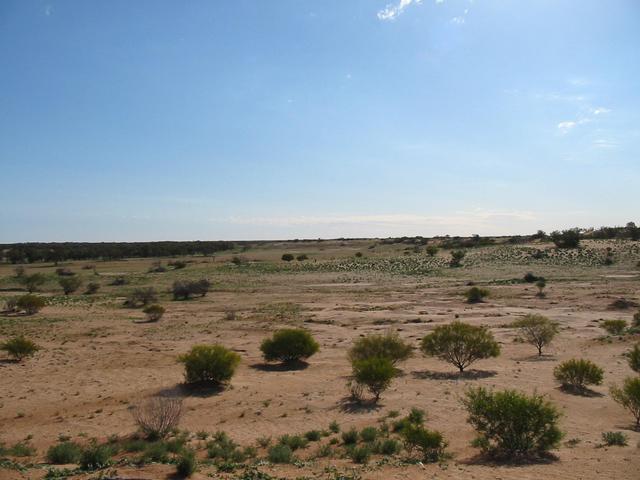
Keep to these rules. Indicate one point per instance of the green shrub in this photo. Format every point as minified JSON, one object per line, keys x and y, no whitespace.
{"x":154,"y":312}
{"x":431,"y":250}
{"x":186,"y":464}
{"x":209,"y":364}
{"x":350,"y":437}
{"x":95,"y":456}
{"x":634,"y":358}
{"x":566,"y":238}
{"x":183,"y":290}
{"x":287,"y":257}
{"x":92,"y":287}
{"x":369,"y":434}
{"x":221,"y":447}
{"x":375,"y":373}
{"x":456,"y":258}
{"x":361,"y":454}
{"x":69,"y":284}
{"x":388,"y":345}
{"x":628,"y":396}
{"x":313,"y":435}
{"x":617,"y":439}
{"x":460,"y":344}
{"x":64,"y":453}
{"x":614,"y":327}
{"x":294,"y":442}
{"x":416,"y":417}
{"x":540,"y":284}
{"x":156,"y":452}
{"x":578,"y":373}
{"x":289,"y":345}
{"x":33,"y":281}
{"x":280,"y":454}
{"x":388,"y":446}
{"x":334,"y":427}
{"x":511,"y":424}
{"x":429,"y":443}
{"x":141,"y":297}
{"x":536,"y":330}
{"x":30,"y":304}
{"x":476,"y":294}
{"x":529,"y":277}
{"x":134,"y":445}
{"x":19,"y":348}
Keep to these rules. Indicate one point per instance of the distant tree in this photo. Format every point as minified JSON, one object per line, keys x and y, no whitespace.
{"x":628,"y":396}
{"x":566,"y":238}
{"x":33,"y":281}
{"x":576,"y":374}
{"x":541,"y":284}
{"x":376,"y":373}
{"x":141,"y":297}
{"x":537,"y":330}
{"x":388,"y":345}
{"x":287,"y":257}
{"x":633,"y":231}
{"x":460,"y":344}
{"x":69,"y":284}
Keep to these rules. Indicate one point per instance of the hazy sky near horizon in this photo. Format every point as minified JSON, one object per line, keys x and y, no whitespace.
{"x":152,"y":120}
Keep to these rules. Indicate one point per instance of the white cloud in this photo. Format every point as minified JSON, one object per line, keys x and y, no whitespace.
{"x":600,"y":111}
{"x":458,"y":20}
{"x":392,"y":11}
{"x":604,"y":143}
{"x":564,"y":127}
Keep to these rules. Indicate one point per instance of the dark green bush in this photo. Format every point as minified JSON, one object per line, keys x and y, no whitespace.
{"x":33,"y":281}
{"x":634,"y":358}
{"x":30,"y":304}
{"x":209,"y":364}
{"x":614,"y":327}
{"x":388,"y":446}
{"x":375,"y":373}
{"x":156,"y":452}
{"x":19,"y":348}
{"x":536,"y":330}
{"x":476,"y":294}
{"x":183,"y":290}
{"x":186,"y":464}
{"x":431,"y":250}
{"x":154,"y":312}
{"x":578,"y":373}
{"x":628,"y":396}
{"x":280,"y":454}
{"x":617,"y":439}
{"x":294,"y":442}
{"x":64,"y":453}
{"x":334,"y":427}
{"x":369,"y":434}
{"x":92,"y":287}
{"x":430,"y":444}
{"x":350,"y":437}
{"x":313,"y":435}
{"x":289,"y":345}
{"x":141,"y":297}
{"x":566,"y":238}
{"x":388,"y":345}
{"x":456,"y":258}
{"x":361,"y":454}
{"x":287,"y":257}
{"x":302,"y":257}
{"x":511,"y":424}
{"x":460,"y":344}
{"x":95,"y":456}
{"x":69,"y":284}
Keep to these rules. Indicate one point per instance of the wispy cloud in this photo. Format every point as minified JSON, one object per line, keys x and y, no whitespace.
{"x":392,"y":11}
{"x":48,"y":10}
{"x":592,"y":112}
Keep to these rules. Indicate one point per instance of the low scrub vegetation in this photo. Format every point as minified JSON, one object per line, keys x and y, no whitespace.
{"x":577,"y":374}
{"x":19,"y":348}
{"x":476,"y":294}
{"x":512,"y":425}
{"x":289,"y":345}
{"x":614,"y":439}
{"x":388,"y":345}
{"x":141,"y":297}
{"x":30,"y":304}
{"x":614,"y":327}
{"x":70,"y":284}
{"x":184,"y":290}
{"x":628,"y":396}
{"x":633,"y":356}
{"x":154,"y":312}
{"x":209,"y":365}
{"x":460,"y":344}
{"x":157,"y":416}
{"x":64,"y":453}
{"x":375,"y":373}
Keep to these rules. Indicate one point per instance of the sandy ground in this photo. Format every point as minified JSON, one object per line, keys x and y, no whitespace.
{"x":98,"y":359}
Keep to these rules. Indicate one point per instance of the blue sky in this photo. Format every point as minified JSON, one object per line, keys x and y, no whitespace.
{"x":153,"y":120}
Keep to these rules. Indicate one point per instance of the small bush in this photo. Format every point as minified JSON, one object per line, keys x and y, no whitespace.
{"x":541,"y":284}
{"x":313,"y":435}
{"x":64,"y":272}
{"x":634,"y":358}
{"x":361,"y":454}
{"x":614,"y":327}
{"x":529,"y":277}
{"x":388,"y":446}
{"x":578,"y":373}
{"x":156,"y":452}
{"x":431,"y":250}
{"x":289,"y":345}
{"x":141,"y":297}
{"x":622,"y":304}
{"x":69,"y":284}
{"x":302,"y":257}
{"x":375,"y":373}
{"x":157,"y":416}
{"x":511,"y":424}
{"x":92,"y":287}
{"x":11,"y":305}
{"x":460,"y":344}
{"x":280,"y":454}
{"x":154,"y":312}
{"x":369,"y":434}
{"x":119,"y":280}
{"x":566,"y":238}
{"x":476,"y":294}
{"x":19,"y":348}
{"x":536,"y":330}
{"x":628,"y":396}
{"x":388,"y":345}
{"x":456,"y":258}
{"x":22,"y":449}
{"x":209,"y":364}
{"x":186,"y":464}
{"x":33,"y":281}
{"x":30,"y":304}
{"x":350,"y":437}
{"x":95,"y":456}
{"x":287,"y":257}
{"x":184,"y":290}
{"x":429,"y":443}
{"x":294,"y":442}
{"x":224,"y":449}
{"x":334,"y":427}
{"x":64,"y":453}
{"x":614,"y":439}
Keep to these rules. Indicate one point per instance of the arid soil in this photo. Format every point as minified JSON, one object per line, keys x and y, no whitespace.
{"x":98,"y":358}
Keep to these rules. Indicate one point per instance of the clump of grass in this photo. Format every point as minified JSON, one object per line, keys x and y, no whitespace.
{"x":617,"y":439}
{"x":280,"y":453}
